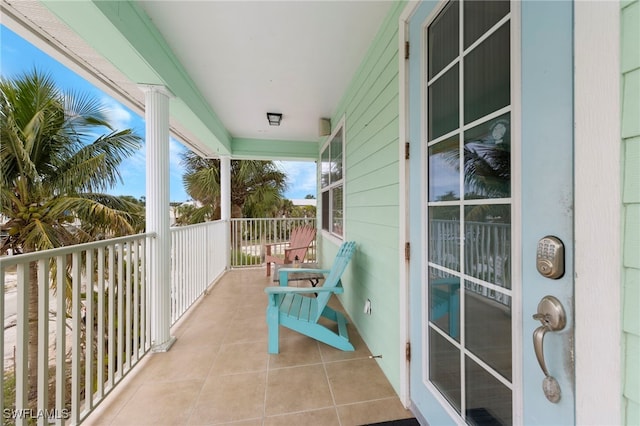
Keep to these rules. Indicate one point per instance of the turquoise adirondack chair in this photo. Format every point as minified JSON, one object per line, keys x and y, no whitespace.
{"x":300,"y":308}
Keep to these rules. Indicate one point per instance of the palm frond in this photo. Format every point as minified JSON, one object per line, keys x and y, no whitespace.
{"x":84,"y":112}
{"x":95,"y":166}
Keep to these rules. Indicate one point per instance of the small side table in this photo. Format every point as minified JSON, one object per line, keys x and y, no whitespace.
{"x":313,"y":277}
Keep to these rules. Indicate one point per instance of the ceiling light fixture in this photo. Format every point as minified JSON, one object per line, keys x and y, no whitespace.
{"x":274,"y":118}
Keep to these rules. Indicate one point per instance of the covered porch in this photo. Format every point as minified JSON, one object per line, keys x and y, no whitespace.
{"x":219,"y":371}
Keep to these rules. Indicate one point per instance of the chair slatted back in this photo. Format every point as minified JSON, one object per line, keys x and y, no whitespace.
{"x":300,"y":240}
{"x":345,"y":253}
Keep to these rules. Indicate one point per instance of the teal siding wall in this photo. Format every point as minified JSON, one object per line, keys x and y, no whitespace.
{"x":370,"y":108}
{"x":630,"y":64}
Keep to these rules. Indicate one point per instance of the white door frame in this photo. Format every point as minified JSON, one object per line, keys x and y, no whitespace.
{"x":598,"y":203}
{"x":403,"y":197}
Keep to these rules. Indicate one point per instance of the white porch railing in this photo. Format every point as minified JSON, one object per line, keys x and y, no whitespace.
{"x":248,"y":237}
{"x":101,"y":284}
{"x":95,"y":295}
{"x":198,"y":258}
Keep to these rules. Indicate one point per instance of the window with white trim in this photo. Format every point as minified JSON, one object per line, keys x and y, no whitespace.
{"x":332,"y":183}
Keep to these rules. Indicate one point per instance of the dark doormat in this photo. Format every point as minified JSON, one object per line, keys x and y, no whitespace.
{"x":481,"y":417}
{"x":403,"y":422}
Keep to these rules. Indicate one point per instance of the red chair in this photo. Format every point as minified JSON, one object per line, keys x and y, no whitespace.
{"x":297,"y":246}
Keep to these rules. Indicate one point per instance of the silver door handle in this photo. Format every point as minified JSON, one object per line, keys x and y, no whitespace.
{"x":553,"y":318}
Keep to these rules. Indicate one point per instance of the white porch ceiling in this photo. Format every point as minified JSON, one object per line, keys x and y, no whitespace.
{"x":245,"y":58}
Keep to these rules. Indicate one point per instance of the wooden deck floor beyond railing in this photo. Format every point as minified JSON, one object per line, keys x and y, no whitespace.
{"x":219,"y":372}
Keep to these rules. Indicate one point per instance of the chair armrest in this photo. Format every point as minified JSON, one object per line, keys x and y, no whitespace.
{"x":276,"y":244}
{"x":303,"y":290}
{"x":270,"y":245}
{"x":295,"y":248}
{"x":311,"y":270}
{"x":273,"y":292}
{"x":284,"y":273}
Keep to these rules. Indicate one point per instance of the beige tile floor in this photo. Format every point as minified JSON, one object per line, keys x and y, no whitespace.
{"x":219,"y":372}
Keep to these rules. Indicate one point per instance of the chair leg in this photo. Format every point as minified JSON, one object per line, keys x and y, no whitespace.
{"x":273,"y":329}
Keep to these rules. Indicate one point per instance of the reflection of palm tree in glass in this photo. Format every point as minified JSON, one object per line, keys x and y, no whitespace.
{"x":487,"y":165}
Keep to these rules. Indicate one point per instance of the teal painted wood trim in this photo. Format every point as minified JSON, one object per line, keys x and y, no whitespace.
{"x":109,"y":26}
{"x":630,"y":69}
{"x":370,"y":109}
{"x":274,"y":149}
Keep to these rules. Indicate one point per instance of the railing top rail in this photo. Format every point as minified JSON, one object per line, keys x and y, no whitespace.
{"x":197,"y":225}
{"x":273,"y":219}
{"x":62,"y":251}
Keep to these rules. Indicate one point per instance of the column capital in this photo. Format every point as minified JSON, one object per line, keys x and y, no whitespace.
{"x":156,"y":88}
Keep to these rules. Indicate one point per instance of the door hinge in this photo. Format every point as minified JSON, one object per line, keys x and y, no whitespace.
{"x":407,"y":251}
{"x":406,"y":50}
{"x":407,"y":150}
{"x":407,"y":351}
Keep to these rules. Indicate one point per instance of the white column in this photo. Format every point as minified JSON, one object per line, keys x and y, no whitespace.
{"x":225,"y":201}
{"x":157,"y":215}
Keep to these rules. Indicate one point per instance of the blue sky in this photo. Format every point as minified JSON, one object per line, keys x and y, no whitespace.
{"x":17,"y":56}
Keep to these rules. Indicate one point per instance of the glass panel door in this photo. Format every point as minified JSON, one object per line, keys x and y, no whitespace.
{"x":469,"y":209}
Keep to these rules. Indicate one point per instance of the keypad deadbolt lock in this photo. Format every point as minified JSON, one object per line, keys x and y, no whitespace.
{"x":550,"y":257}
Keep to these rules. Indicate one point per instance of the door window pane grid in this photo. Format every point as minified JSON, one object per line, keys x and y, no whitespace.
{"x":461,"y":349}
{"x":487,"y":325}
{"x":481,"y":120}
{"x":485,"y":15}
{"x":477,"y":249}
{"x":487,"y":400}
{"x":444,"y":32}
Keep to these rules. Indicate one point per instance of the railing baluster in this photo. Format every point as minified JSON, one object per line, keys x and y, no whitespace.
{"x":128,"y":306}
{"x":88,"y":326}
{"x":76,"y":263}
{"x":120,"y":297}
{"x":179,"y":288}
{"x":43,"y":338}
{"x":61,"y":335}
{"x":22,"y":341}
{"x":111,"y":340}
{"x":2,"y":311}
{"x":144,"y":301}
{"x":100,"y":329}
{"x":136,"y":299}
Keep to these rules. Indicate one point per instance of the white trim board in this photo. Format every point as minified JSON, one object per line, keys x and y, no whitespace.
{"x":598,"y":236}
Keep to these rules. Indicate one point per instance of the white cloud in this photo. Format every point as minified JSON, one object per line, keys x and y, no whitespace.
{"x":136,"y":162}
{"x":301,"y":177}
{"x":119,"y":117}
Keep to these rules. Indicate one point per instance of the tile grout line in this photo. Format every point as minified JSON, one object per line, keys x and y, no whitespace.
{"x":266,"y":388}
{"x":326,"y":375}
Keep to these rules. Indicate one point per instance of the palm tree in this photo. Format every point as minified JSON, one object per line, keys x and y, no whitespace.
{"x":256,"y":187}
{"x":53,"y":169}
